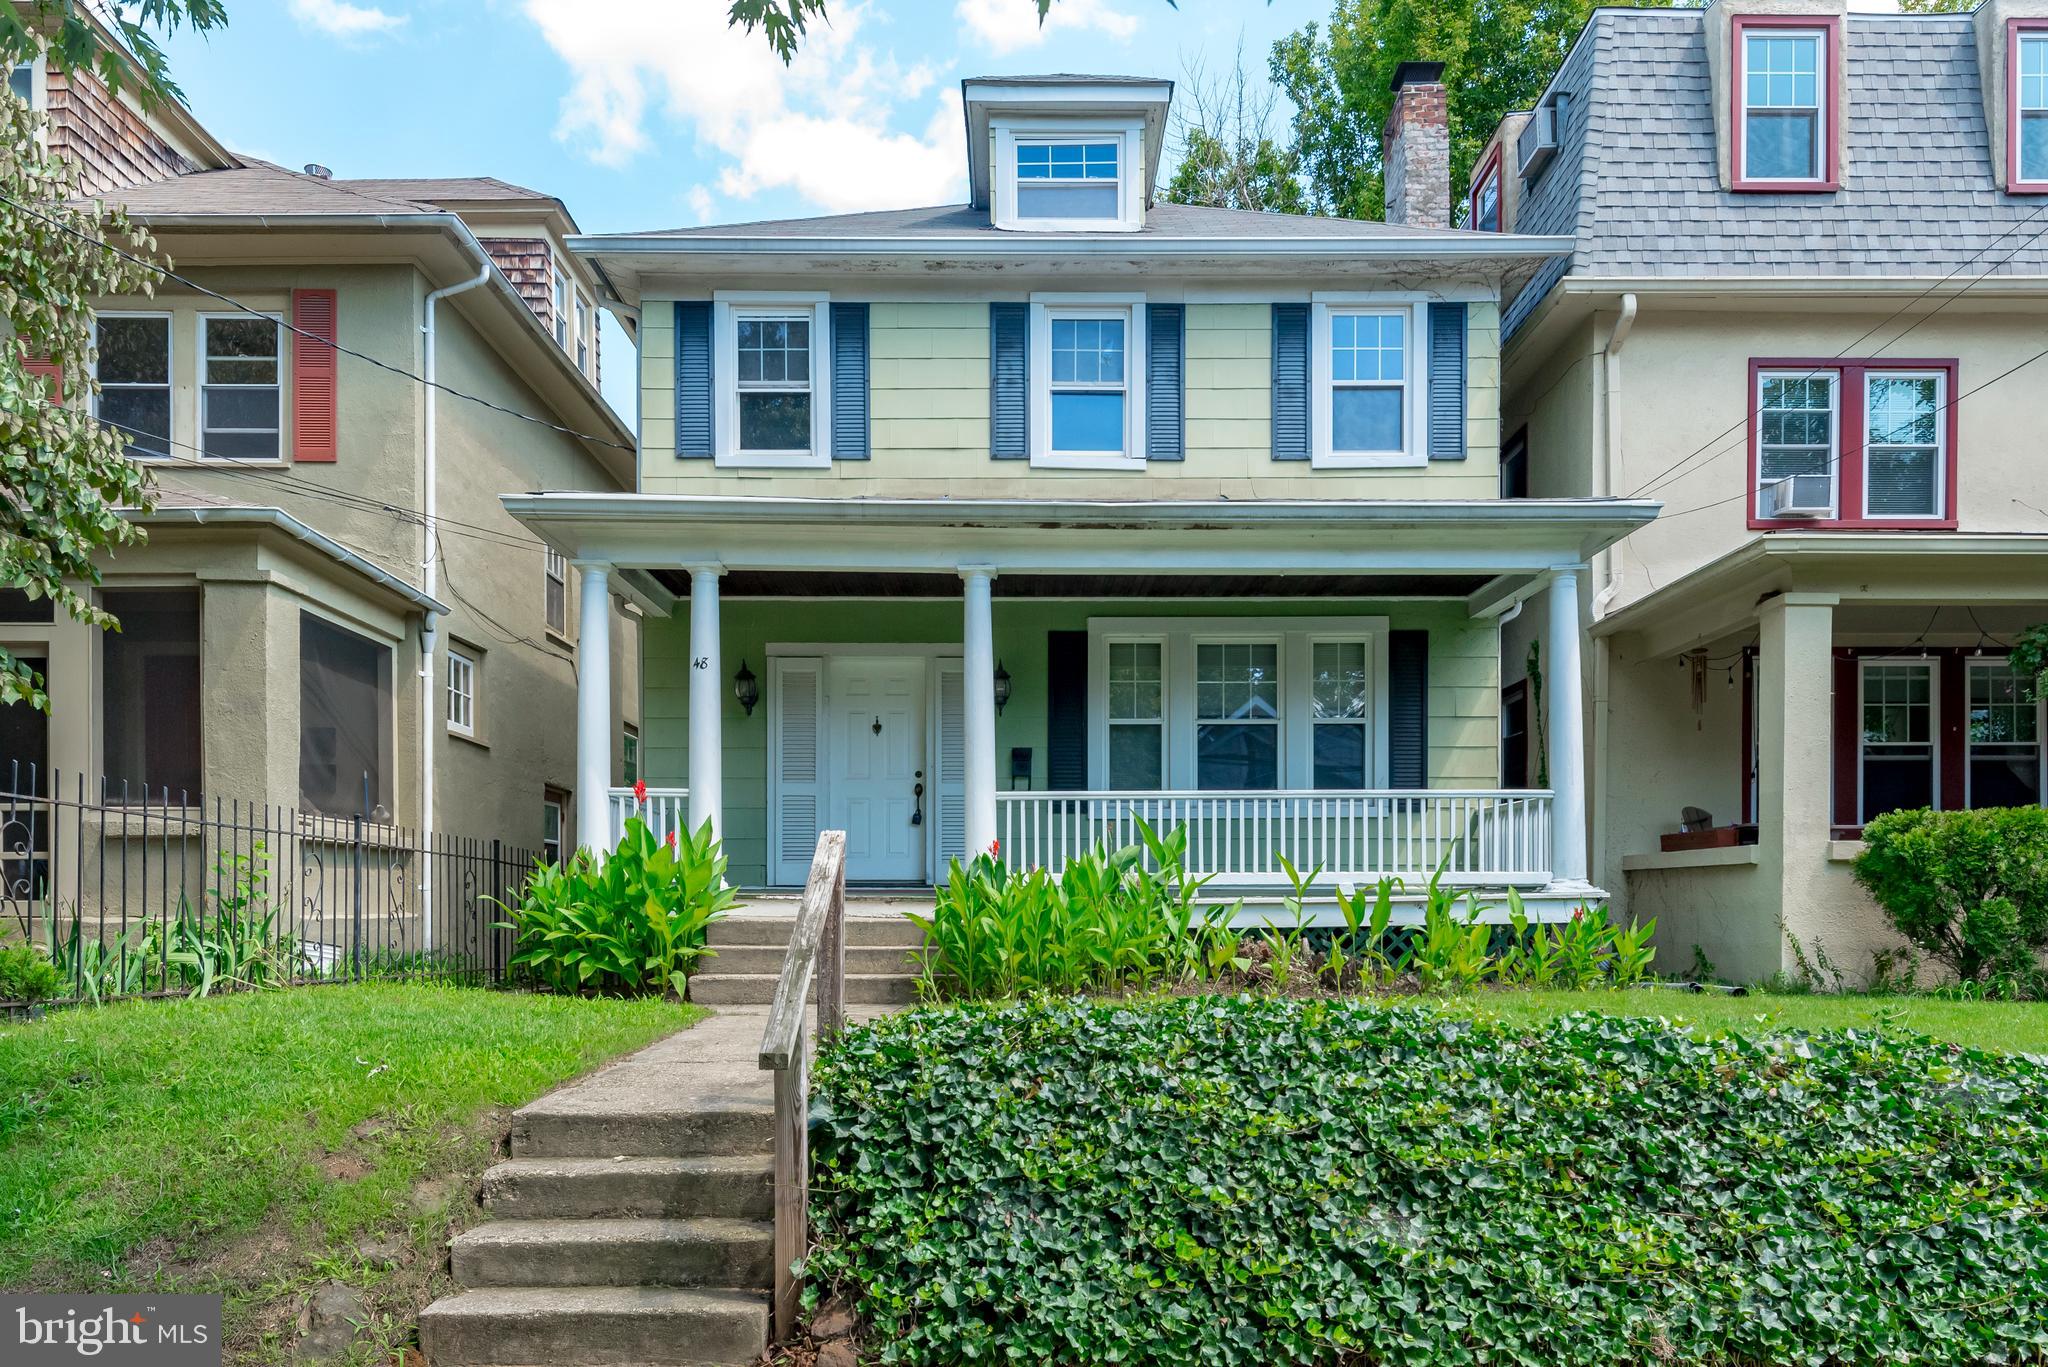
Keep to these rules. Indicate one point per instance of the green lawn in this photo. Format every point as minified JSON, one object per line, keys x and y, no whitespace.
{"x":2015,"y":1027}
{"x":138,"y":1136}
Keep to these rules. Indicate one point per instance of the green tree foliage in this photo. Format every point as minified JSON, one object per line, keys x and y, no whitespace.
{"x":1497,"y":55}
{"x":63,"y":477}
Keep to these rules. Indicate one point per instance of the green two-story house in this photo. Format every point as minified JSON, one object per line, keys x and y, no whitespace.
{"x":999,"y":524}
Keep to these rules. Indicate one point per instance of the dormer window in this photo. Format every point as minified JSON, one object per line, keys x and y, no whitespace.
{"x":2027,"y":125}
{"x":1485,"y":207}
{"x":1784,"y":93}
{"x":1067,"y":179}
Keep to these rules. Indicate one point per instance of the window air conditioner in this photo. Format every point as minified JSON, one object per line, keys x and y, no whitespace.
{"x":1801,"y":496}
{"x":1538,"y":143}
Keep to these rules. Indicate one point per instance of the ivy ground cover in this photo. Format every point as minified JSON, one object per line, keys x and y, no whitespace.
{"x":1251,"y":1180}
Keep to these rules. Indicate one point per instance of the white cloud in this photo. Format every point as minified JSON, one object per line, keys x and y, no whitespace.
{"x":830,"y":127}
{"x":340,"y":19}
{"x":1007,"y":25}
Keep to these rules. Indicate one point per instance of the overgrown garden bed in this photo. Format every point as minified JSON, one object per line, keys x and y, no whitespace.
{"x":1253,"y":1180}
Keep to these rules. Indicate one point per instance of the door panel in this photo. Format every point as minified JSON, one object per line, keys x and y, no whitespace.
{"x":877,"y":760}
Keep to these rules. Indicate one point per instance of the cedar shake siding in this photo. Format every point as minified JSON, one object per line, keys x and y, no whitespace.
{"x":110,"y":144}
{"x":528,"y":264}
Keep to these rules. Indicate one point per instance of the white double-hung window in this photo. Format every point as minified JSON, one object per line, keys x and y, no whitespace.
{"x":135,"y":380}
{"x":241,"y":393}
{"x":1368,"y":378}
{"x":773,"y":380}
{"x":2028,"y":168}
{"x":461,"y":692}
{"x":1087,"y":379}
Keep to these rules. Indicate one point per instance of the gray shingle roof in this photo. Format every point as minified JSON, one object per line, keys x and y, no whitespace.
{"x":1636,"y":177}
{"x":437,"y":189}
{"x":960,"y":220}
{"x":258,"y":187}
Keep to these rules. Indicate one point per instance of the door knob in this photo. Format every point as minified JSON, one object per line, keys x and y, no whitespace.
{"x":917,"y":801}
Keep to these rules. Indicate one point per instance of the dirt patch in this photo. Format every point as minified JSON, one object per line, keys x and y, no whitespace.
{"x":344,"y":1166}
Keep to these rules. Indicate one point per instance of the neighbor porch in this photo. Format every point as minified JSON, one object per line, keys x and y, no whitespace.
{"x":1311,"y":683}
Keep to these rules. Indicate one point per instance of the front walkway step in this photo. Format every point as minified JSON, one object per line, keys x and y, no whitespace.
{"x":767,"y":959}
{"x":586,"y":1326}
{"x":758,"y":989}
{"x":701,"y":1252}
{"x":876,"y":932}
{"x":630,"y":1188}
{"x":685,"y":1127}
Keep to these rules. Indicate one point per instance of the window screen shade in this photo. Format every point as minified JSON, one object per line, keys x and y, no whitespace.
{"x":345,"y":711}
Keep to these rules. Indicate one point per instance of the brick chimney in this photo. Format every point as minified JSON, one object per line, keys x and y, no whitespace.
{"x":1415,"y":150}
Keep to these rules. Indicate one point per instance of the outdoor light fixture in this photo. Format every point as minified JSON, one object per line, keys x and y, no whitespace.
{"x":1002,"y":688}
{"x":746,"y":688}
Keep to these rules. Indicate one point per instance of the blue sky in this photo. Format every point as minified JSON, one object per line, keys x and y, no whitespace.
{"x":651,"y":113}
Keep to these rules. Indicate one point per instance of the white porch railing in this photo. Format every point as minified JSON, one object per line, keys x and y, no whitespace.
{"x":664,"y":810}
{"x":1483,"y":837}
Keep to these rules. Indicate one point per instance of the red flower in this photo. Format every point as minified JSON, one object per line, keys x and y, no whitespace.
{"x":995,"y":847}
{"x":671,"y":839}
{"x":1578,"y":914}
{"x":639,"y":790}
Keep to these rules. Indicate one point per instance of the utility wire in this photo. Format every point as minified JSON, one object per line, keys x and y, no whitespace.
{"x":169,"y":274}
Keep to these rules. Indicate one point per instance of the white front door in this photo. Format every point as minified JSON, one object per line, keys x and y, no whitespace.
{"x":877,"y":765}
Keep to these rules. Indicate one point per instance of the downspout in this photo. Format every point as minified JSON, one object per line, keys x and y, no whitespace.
{"x":429,"y":628}
{"x":1606,"y":574}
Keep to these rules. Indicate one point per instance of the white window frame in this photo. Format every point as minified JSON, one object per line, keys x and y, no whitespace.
{"x":1373,"y":722}
{"x":2023,"y":39}
{"x":727,"y":308}
{"x":1007,"y":133}
{"x":582,"y":338}
{"x":170,"y":386}
{"x":554,"y":570}
{"x":1181,"y":635}
{"x":629,"y":752}
{"x":200,"y":386}
{"x":38,"y":88}
{"x":562,"y":292}
{"x":1164,"y":722}
{"x":1933,"y":668}
{"x":560,"y":807}
{"x":1834,"y":470}
{"x":1941,"y":402}
{"x":1824,"y":94}
{"x":462,"y":690}
{"x":1415,"y":365}
{"x":1970,"y":668}
{"x":1130,"y":310}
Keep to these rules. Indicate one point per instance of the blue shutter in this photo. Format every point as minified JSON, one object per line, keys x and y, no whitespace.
{"x":1009,"y":381}
{"x":849,"y":381}
{"x":1165,"y":348}
{"x":1290,"y":382}
{"x":1066,"y":709}
{"x":1447,"y":382}
{"x":693,"y":379}
{"x":1408,"y":709}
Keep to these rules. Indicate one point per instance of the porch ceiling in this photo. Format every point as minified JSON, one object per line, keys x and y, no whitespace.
{"x":815,"y":584}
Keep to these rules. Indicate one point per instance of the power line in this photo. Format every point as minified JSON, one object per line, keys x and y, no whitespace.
{"x":169,"y":274}
{"x":1672,"y":471}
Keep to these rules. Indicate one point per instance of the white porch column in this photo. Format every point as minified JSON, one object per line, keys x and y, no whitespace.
{"x":707,"y":702}
{"x":594,"y":709}
{"x":1567,"y":726}
{"x":978,"y":652}
{"x":1795,"y":716}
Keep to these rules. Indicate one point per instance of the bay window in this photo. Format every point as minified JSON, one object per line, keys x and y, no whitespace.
{"x":2027,"y":110}
{"x":2004,"y":733}
{"x":1896,"y":760}
{"x":241,"y":396}
{"x":1853,"y":444}
{"x":1784,"y":86}
{"x":134,"y":372}
{"x":150,"y":696}
{"x":345,"y":722}
{"x":1237,"y":711}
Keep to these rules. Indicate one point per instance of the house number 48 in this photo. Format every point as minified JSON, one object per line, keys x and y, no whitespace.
{"x":701,"y":662}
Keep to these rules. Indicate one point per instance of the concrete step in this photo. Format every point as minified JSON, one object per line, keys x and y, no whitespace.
{"x":631,"y":1188}
{"x":758,"y":989}
{"x":703,"y":1252}
{"x":861,"y":931}
{"x":767,"y":959}
{"x":594,"y":1326}
{"x":682,"y":1126}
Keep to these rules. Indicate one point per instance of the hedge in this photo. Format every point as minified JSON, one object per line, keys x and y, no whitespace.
{"x":1241,"y":1180}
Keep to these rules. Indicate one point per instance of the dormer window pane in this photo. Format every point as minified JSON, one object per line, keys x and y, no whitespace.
{"x":1781,"y":134}
{"x":21,"y":83}
{"x":2033,"y":107}
{"x":1067,"y":179}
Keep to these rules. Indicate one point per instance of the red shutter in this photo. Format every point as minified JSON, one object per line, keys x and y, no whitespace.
{"x":36,"y":363}
{"x":313,"y":376}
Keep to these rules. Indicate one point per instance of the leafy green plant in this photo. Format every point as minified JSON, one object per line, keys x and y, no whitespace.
{"x":1968,"y":888}
{"x":1250,"y":1181}
{"x":633,"y":922}
{"x":1453,"y":949}
{"x":1286,"y":942}
{"x":26,"y":975}
{"x":240,"y":943}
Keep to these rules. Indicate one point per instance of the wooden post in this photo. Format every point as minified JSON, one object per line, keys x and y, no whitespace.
{"x":792,"y":1186}
{"x":832,"y":979}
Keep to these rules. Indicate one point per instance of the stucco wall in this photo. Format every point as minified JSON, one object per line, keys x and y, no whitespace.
{"x":1464,"y":682}
{"x":929,"y":390}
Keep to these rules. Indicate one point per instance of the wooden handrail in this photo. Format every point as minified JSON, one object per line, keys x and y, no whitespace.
{"x":818,"y":938}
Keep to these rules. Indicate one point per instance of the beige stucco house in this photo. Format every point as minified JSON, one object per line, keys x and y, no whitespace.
{"x":1802,"y":308}
{"x":1001,"y":524}
{"x":332,"y":613}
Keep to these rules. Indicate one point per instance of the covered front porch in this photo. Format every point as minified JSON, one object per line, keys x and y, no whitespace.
{"x":1317,"y":683}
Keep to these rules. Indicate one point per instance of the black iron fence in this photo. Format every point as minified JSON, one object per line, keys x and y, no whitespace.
{"x":159,"y":893}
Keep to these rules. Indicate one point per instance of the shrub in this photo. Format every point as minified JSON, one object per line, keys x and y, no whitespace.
{"x":1248,"y":1181}
{"x":26,"y":975}
{"x":1969,"y":888}
{"x":631,"y":923}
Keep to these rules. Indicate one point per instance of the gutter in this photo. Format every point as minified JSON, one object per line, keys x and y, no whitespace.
{"x":1451,"y":246}
{"x":280,"y":520}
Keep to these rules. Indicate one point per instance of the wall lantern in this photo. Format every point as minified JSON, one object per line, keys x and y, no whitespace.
{"x":1002,"y":688}
{"x":746,"y":688}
